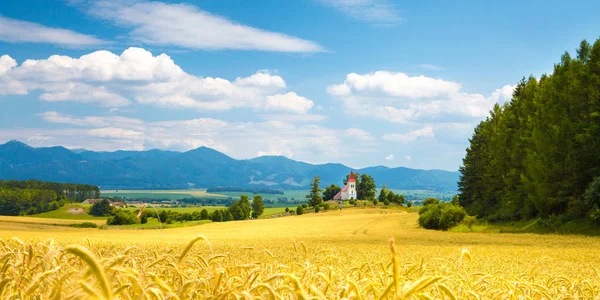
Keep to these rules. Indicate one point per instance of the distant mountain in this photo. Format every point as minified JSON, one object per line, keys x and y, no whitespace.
{"x":201,"y":167}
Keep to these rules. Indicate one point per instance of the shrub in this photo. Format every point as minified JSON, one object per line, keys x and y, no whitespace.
{"x":84,"y":225}
{"x":326,"y":206}
{"x":551,"y":222}
{"x":431,"y":201}
{"x":299,"y":209}
{"x":101,"y":208}
{"x":451,"y":216}
{"x":304,"y":205}
{"x":440,"y":216}
{"x":430,"y":218}
{"x":470,"y":221}
{"x":122,"y":217}
{"x":386,"y":202}
{"x":592,"y":194}
{"x":287,"y":209}
{"x":317,"y":208}
{"x":409,"y":204}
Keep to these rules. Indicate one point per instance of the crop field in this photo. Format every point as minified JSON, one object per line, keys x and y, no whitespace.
{"x":331,"y":255}
{"x":161,"y":194}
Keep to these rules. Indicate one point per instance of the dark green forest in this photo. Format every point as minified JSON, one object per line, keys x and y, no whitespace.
{"x":33,"y":196}
{"x":535,"y":156}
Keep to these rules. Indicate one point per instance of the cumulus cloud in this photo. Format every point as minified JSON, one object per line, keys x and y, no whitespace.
{"x":186,"y":26}
{"x":425,"y":132}
{"x":389,"y":157}
{"x":107,"y":79}
{"x":289,"y":102}
{"x":16,"y":31}
{"x":397,"y":97}
{"x":306,"y":142}
{"x":377,"y":12}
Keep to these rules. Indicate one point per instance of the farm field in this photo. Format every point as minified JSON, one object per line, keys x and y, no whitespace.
{"x":336,"y":254}
{"x":162,"y":194}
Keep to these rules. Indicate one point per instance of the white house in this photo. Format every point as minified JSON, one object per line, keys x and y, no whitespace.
{"x":348,"y":191}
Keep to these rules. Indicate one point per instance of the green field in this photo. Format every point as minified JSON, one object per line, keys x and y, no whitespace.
{"x":73,"y":211}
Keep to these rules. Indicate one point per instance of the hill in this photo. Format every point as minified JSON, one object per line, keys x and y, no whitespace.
{"x":201,"y":167}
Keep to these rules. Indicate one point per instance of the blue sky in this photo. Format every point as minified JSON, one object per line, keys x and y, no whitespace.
{"x":361,"y":82}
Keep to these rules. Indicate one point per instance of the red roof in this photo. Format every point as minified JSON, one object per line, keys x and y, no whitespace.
{"x":351,"y":179}
{"x":338,"y":195}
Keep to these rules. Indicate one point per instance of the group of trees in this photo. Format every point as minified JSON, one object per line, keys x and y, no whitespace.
{"x":536,"y":155}
{"x":241,"y":209}
{"x":32,"y":196}
{"x":387,"y":197}
{"x":69,"y":191}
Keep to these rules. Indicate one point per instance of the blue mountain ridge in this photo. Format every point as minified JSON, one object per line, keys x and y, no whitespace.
{"x":197,"y":168}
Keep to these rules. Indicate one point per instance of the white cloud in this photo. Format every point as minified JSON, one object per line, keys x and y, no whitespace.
{"x":378,"y":12}
{"x":425,"y":132}
{"x":187,"y":26}
{"x":408,"y":157}
{"x":432,"y":67}
{"x":358,"y":133}
{"x":289,"y":102}
{"x":117,"y":133}
{"x":397,"y":97}
{"x":503,"y":94}
{"x":91,"y":121}
{"x":111,"y":80}
{"x":389,"y":157}
{"x":16,"y":31}
{"x":6,"y":63}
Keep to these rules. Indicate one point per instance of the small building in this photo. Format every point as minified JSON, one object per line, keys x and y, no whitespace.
{"x":91,"y":201}
{"x":348,"y":191}
{"x":117,"y":204}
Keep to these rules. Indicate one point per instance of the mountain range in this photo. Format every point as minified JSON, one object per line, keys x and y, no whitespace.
{"x":198,"y":168}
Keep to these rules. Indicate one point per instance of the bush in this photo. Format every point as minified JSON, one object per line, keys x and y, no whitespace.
{"x":409,"y":204}
{"x":470,"y":221}
{"x":386,"y":202}
{"x":326,"y":206}
{"x":299,"y":209}
{"x":440,"y":216}
{"x":451,"y":216}
{"x":317,"y":208}
{"x":101,"y":208}
{"x":592,"y":194}
{"x":551,"y":222}
{"x":429,"y":201}
{"x":304,"y":205}
{"x":84,"y":225}
{"x":122,"y":217}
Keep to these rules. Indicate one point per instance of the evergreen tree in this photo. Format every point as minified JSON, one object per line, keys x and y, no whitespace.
{"x":314,"y":196}
{"x":257,"y":206}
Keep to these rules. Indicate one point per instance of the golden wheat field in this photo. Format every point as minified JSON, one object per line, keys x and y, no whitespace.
{"x":331,"y":255}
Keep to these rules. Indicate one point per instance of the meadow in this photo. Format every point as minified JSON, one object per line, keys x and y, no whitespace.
{"x":330,"y":255}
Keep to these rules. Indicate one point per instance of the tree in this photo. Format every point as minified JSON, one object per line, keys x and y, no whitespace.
{"x":330,"y":192}
{"x":101,"y":208}
{"x":257,"y":207}
{"x":314,"y":196}
{"x":122,"y":217}
{"x":204,"y":214}
{"x":299,"y":210}
{"x":391,"y":197}
{"x":383,"y":194}
{"x":217,"y":216}
{"x":240,"y":210}
{"x":409,"y":204}
{"x":399,"y":198}
{"x":366,"y":188}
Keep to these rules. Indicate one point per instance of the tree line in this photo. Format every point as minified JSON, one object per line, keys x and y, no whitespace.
{"x":535,"y":156}
{"x":32,"y":196}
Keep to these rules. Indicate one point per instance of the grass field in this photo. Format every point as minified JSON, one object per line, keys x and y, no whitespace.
{"x":337,"y":254}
